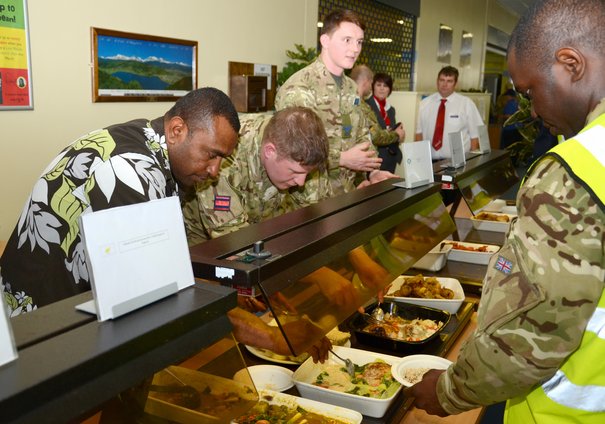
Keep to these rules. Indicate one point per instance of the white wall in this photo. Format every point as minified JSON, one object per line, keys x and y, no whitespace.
{"x":460,"y":15}
{"x":258,"y":31}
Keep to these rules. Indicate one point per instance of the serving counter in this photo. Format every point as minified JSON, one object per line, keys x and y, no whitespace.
{"x":70,"y":364}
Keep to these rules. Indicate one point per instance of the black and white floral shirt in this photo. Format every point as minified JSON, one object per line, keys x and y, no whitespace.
{"x":120,"y":165}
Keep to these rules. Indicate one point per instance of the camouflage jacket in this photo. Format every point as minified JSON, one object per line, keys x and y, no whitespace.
{"x":379,"y":136}
{"x":540,"y":290}
{"x":241,"y":195}
{"x":345,"y":124}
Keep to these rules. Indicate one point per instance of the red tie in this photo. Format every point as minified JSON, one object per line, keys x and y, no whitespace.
{"x":438,"y":135}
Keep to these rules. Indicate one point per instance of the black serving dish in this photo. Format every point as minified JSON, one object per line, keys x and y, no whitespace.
{"x":406,"y":311}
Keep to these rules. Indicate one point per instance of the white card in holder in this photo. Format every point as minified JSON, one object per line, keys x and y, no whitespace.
{"x":457,"y":159}
{"x":8,"y":349}
{"x":484,"y":144}
{"x":136,"y":255}
{"x":417,"y":164}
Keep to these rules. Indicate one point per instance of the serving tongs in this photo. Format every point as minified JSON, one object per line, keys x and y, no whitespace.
{"x":189,"y":397}
{"x":350,"y":366}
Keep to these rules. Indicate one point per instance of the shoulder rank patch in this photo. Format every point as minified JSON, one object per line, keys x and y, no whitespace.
{"x":222,"y":203}
{"x":503,"y":265}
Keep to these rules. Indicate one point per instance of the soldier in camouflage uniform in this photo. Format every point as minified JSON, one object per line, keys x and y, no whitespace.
{"x":540,"y":337}
{"x":275,"y":153}
{"x":323,"y":87}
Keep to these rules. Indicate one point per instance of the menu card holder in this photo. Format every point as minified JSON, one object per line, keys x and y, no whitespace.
{"x":457,"y":150}
{"x":417,"y":164}
{"x":136,"y":255}
{"x":484,"y":144}
{"x":8,"y":350}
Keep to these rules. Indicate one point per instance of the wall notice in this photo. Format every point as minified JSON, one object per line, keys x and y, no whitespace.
{"x":15,"y":70}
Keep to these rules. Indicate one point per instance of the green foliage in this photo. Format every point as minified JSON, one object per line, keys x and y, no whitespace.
{"x":529,"y":128}
{"x":301,"y":57}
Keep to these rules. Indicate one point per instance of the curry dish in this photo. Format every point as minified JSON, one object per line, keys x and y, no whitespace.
{"x":487,"y":216}
{"x":423,"y":287}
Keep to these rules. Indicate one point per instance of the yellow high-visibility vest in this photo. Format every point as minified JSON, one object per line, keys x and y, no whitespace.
{"x":576,"y":393}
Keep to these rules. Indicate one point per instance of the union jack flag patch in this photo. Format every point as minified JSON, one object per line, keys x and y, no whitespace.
{"x":504,"y":265}
{"x":222,"y":203}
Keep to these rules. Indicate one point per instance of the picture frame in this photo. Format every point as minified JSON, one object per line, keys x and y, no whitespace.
{"x":130,"y":67}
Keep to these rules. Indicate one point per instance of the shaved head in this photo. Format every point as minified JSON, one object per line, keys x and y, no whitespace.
{"x":550,"y":24}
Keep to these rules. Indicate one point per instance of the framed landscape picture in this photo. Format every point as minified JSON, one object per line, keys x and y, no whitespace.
{"x":134,"y":67}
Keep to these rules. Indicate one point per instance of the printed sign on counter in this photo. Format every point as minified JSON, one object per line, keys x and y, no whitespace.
{"x":8,"y":351}
{"x":417,"y":164}
{"x":137,"y":254}
{"x":457,"y":150}
{"x":484,"y":144}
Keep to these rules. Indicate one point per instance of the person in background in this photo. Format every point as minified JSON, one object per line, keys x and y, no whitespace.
{"x":382,"y":85}
{"x":540,"y":336}
{"x":381,"y":138}
{"x":510,"y":133}
{"x":323,"y":87}
{"x":275,"y":153}
{"x":445,"y":112}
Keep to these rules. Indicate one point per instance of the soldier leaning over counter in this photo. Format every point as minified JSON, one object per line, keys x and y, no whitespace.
{"x":275,"y":153}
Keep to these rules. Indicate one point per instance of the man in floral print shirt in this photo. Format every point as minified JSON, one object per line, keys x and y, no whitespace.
{"x":119,"y":165}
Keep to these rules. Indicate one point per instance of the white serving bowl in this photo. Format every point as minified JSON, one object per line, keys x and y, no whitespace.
{"x":346,"y":415}
{"x":495,"y":205}
{"x":308,"y":371}
{"x":449,"y":305}
{"x":470,"y":256}
{"x":434,"y":260}
{"x":266,"y":377}
{"x":417,"y":361}
{"x":488,"y":225}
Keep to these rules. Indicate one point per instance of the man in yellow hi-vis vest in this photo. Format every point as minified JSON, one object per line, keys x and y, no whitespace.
{"x":540,"y":338}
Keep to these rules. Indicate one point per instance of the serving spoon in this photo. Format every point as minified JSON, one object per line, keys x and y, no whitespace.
{"x":348,"y":364}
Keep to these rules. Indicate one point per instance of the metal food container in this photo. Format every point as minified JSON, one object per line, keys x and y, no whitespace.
{"x":404,"y":310}
{"x":219,"y":399}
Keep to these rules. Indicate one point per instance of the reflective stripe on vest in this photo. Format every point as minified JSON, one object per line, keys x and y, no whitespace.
{"x":589,"y":397}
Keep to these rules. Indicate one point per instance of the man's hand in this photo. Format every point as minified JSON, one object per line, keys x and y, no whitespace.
{"x":377,"y":176}
{"x":371,"y":273}
{"x":250,"y":304}
{"x":336,"y":288}
{"x":425,"y":394}
{"x":400,"y":132}
{"x":319,"y":351}
{"x":301,"y":333}
{"x":360,"y":158}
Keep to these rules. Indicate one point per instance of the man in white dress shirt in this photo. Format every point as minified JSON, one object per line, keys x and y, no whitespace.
{"x":460,"y":114}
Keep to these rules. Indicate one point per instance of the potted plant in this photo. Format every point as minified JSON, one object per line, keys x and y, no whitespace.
{"x":301,"y":57}
{"x":522,"y":151}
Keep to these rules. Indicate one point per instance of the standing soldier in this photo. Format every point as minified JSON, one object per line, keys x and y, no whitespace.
{"x":323,"y":87}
